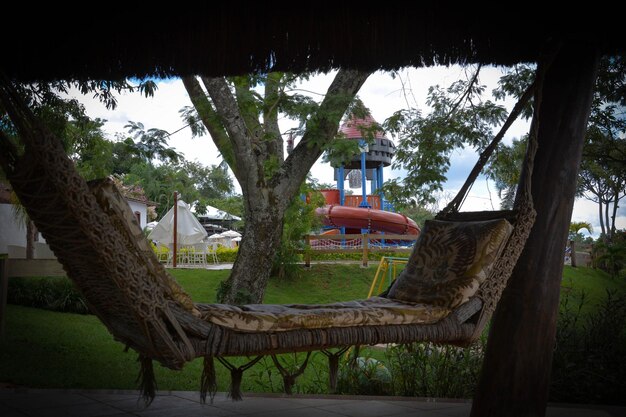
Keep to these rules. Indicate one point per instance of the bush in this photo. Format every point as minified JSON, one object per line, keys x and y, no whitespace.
{"x":588,"y":365}
{"x":364,"y":376}
{"x":50,"y":293}
{"x":427,"y":370}
{"x":227,"y":255}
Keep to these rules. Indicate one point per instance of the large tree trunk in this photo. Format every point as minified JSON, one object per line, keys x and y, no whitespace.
{"x":516,"y":371}
{"x":263,"y":231}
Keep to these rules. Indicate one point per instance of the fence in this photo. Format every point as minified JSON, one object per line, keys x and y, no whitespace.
{"x":358,"y":243}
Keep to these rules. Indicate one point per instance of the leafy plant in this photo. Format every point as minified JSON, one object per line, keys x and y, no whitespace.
{"x":587,"y":365}
{"x":363,"y":375}
{"x":51,"y":293}
{"x":428,"y":370}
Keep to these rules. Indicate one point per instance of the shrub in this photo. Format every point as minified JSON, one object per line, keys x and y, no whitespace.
{"x":51,"y":293}
{"x":587,"y":365}
{"x":364,"y":376}
{"x":427,"y":370}
{"x":227,"y":255}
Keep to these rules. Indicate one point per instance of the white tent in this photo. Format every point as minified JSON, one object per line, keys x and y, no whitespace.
{"x":189,"y":229}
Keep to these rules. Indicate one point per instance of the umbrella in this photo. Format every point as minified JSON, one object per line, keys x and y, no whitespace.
{"x":236,"y":239}
{"x":189,"y":229}
{"x":216,"y":236}
{"x":151,"y":225}
{"x":231,"y":233}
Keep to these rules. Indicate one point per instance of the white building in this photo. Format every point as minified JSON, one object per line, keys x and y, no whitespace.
{"x":13,"y":232}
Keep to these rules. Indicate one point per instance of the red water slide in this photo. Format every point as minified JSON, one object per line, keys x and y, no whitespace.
{"x":356,"y":218}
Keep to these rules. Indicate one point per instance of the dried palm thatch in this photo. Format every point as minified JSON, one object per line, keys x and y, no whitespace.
{"x":232,"y":38}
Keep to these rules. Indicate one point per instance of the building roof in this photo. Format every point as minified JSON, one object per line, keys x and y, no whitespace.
{"x":229,"y":38}
{"x":355,"y":127}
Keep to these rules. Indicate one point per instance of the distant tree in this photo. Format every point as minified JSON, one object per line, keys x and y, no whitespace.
{"x":459,"y":118}
{"x":602,"y":177}
{"x":574,"y":236}
{"x":241,"y":115}
{"x":66,"y":118}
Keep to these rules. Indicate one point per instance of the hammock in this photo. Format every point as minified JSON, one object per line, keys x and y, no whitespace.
{"x":101,"y":247}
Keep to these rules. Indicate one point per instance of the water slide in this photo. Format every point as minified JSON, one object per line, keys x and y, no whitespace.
{"x":356,"y":218}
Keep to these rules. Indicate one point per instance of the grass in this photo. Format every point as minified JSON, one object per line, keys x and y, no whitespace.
{"x":60,"y":350}
{"x":46,"y":349}
{"x":592,"y":284}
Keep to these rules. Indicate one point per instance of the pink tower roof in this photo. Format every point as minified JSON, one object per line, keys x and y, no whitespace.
{"x":351,"y":128}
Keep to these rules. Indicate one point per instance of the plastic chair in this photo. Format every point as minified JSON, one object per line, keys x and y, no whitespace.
{"x":199,"y":254}
{"x":212,"y":251}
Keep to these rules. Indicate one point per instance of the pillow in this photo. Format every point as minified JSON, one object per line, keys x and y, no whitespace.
{"x":449,"y":262}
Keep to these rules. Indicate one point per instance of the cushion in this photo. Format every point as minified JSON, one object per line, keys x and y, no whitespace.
{"x":279,"y":317}
{"x":449,"y":262}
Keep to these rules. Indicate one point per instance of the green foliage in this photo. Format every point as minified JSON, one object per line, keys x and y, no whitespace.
{"x":428,"y":370}
{"x":227,"y":255}
{"x":419,"y":214}
{"x":504,"y":169}
{"x":300,"y":219}
{"x":584,"y":364}
{"x":362,"y":375}
{"x":57,"y":294}
{"x":54,"y":350}
{"x":610,"y":256}
{"x":459,"y":118}
{"x":602,"y":178}
{"x":357,"y":256}
{"x":576,"y":227}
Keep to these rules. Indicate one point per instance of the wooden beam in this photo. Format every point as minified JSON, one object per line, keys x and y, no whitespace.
{"x":516,"y":373}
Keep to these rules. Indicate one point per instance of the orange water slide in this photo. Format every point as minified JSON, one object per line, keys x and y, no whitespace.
{"x":367,"y":218}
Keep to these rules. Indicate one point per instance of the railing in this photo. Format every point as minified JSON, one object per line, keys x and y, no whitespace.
{"x":363,"y":243}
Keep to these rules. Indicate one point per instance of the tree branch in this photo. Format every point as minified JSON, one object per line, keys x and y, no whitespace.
{"x":466,"y":93}
{"x":243,"y":146}
{"x":320,"y":130}
{"x":270,"y":115}
{"x":211,"y":120}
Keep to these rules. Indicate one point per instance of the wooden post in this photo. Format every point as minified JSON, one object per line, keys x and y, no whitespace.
{"x":307,"y":254}
{"x":175,"y":248}
{"x":4,"y":284}
{"x":516,"y":372}
{"x":365,"y":241}
{"x":572,"y":247}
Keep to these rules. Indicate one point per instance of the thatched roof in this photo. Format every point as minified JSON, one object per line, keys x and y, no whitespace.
{"x":221,"y":40}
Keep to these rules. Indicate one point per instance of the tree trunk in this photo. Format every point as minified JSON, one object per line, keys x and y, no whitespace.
{"x":30,"y":239}
{"x":263,"y":231}
{"x":607,"y":220}
{"x":572,"y":246}
{"x":516,"y":371}
{"x":615,"y":207}
{"x":600,"y":216}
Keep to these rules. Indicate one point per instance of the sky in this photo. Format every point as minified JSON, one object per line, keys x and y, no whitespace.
{"x":382,"y":93}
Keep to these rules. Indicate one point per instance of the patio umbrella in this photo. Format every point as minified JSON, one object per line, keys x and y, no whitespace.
{"x":231,"y":233}
{"x":189,"y":229}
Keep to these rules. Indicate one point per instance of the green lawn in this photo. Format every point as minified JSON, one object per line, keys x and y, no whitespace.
{"x":592,"y":284}
{"x":61,"y":350}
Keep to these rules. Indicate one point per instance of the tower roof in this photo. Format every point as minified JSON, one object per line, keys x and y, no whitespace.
{"x":356,"y":127}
